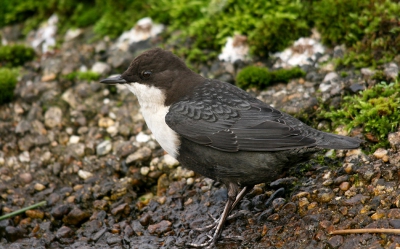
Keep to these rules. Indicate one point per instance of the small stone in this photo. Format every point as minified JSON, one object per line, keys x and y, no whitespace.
{"x":35,"y":214}
{"x":84,"y":174}
{"x":344,"y":186}
{"x":74,"y":139}
{"x":145,"y":219}
{"x":53,"y":117}
{"x":140,"y":155}
{"x":101,"y":68}
{"x":22,"y":127}
{"x":26,"y":177}
{"x":142,"y":138}
{"x":106,"y":122}
{"x":394,"y":213}
{"x":391,"y":70}
{"x":64,"y":232}
{"x":341,"y":179}
{"x":189,"y":181}
{"x":58,"y":212}
{"x":169,"y":161}
{"x":378,"y":215}
{"x":121,"y":209}
{"x":394,"y":140}
{"x":104,"y":148}
{"x":327,"y":182}
{"x":100,"y":204}
{"x":39,"y":187}
{"x":278,"y":203}
{"x":24,"y":157}
{"x":160,"y":228}
{"x":112,"y":130}
{"x":367,"y":72}
{"x":380,"y":153}
{"x":303,"y":202}
{"x":326,"y":197}
{"x":76,"y":216}
{"x":144,"y":170}
{"x":335,"y":241}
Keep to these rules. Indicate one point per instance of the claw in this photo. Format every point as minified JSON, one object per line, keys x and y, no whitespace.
{"x":217,"y":225}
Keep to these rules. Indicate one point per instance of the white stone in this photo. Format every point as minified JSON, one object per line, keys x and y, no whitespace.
{"x":84,"y":174}
{"x":142,"y":138}
{"x":24,"y":157}
{"x":74,"y":139}
{"x":144,"y":170}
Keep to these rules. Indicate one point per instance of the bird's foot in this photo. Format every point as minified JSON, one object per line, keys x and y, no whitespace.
{"x":216,"y":221}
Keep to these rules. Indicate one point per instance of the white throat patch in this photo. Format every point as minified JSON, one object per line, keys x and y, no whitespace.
{"x":151,"y":100}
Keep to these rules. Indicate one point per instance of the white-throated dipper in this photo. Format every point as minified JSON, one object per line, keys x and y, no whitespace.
{"x":217,"y":129}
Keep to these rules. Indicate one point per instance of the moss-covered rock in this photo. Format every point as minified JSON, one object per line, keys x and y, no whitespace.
{"x":375,"y":110}
{"x":261,"y":77}
{"x":8,"y":81}
{"x":15,"y":55}
{"x":253,"y":76}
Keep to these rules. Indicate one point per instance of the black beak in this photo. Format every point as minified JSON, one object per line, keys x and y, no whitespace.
{"x":113,"y":80}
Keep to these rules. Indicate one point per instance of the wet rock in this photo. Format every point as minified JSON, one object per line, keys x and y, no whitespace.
{"x":53,"y":117}
{"x":64,"y":232}
{"x":13,"y":233}
{"x":106,"y":122}
{"x":104,"y":148}
{"x":26,"y":143}
{"x":336,"y":241}
{"x":278,"y":203}
{"x":39,"y":187}
{"x":160,"y":228}
{"x":24,"y":157}
{"x":391,"y":70}
{"x":60,"y":211}
{"x":394,"y":213}
{"x":344,"y":186}
{"x":381,"y":154}
{"x":23,"y":127}
{"x":41,"y":140}
{"x":76,"y":216}
{"x":121,"y":209}
{"x":357,"y":199}
{"x":26,"y":177}
{"x":326,"y":196}
{"x":145,"y":219}
{"x":84,"y":174}
{"x":341,"y":179}
{"x":140,"y":155}
{"x":35,"y":214}
{"x":394,"y":140}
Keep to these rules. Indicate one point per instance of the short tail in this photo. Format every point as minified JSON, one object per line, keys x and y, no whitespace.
{"x":333,"y":141}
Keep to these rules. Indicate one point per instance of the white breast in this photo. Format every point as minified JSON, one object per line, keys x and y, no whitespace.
{"x":151,"y":100}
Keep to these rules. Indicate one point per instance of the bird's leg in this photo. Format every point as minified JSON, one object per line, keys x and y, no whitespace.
{"x":232,"y":197}
{"x":233,"y":200}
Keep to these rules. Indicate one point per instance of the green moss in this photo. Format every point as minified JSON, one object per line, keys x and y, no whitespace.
{"x":253,"y":76}
{"x":261,"y":77}
{"x":375,"y":110}
{"x":284,"y":75}
{"x":15,"y":55}
{"x":369,"y":29}
{"x":8,"y":81}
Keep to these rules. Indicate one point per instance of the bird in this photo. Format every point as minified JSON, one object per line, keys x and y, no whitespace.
{"x":217,"y":129}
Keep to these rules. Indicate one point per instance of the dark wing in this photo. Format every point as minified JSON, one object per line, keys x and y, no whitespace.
{"x":226,"y":118}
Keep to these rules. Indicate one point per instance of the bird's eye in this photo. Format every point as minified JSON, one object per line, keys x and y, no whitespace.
{"x":146,"y":74}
